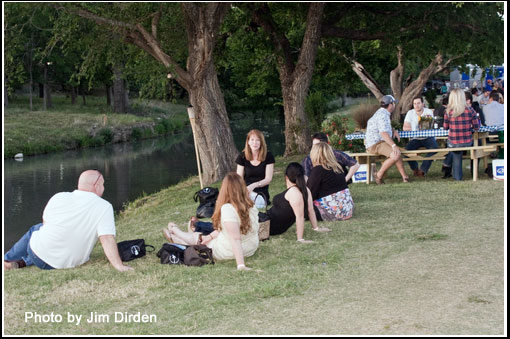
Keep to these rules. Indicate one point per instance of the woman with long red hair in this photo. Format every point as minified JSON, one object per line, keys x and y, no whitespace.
{"x":235,"y":223}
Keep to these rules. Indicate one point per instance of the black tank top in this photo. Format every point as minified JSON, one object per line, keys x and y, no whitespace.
{"x":281,"y":214}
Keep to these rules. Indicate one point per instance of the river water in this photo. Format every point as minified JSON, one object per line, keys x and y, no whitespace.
{"x":130,"y":170}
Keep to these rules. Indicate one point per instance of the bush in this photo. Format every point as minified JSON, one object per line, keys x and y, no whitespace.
{"x":336,"y":129}
{"x":363,"y":113}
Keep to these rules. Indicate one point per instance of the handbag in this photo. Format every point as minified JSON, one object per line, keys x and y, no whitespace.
{"x":132,"y":249}
{"x":198,"y":255}
{"x":172,"y":254}
{"x":207,"y":197}
{"x":259,"y":199}
{"x":264,"y":226}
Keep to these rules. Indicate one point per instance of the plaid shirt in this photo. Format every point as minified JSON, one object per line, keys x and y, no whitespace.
{"x":461,"y":128}
{"x":342,"y":158}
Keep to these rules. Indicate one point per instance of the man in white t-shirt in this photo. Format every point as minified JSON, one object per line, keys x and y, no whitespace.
{"x":412,"y":123}
{"x":72,"y":224}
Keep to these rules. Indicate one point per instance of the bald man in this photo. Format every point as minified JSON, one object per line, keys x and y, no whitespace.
{"x":72,"y":224}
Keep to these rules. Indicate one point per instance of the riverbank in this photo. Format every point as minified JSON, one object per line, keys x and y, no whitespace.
{"x":76,"y":126}
{"x":414,"y":259}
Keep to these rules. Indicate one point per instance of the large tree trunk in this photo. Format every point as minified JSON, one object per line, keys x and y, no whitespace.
{"x":294,"y":78}
{"x":203,"y":20}
{"x":396,"y":76}
{"x":214,"y":135}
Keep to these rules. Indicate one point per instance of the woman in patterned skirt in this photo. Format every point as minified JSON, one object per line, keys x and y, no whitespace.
{"x":330,"y":193}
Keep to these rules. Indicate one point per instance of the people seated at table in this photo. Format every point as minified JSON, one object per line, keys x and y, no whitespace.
{"x":412,"y":123}
{"x":293,"y":205}
{"x":255,"y":164}
{"x":379,"y":139}
{"x":349,"y":164}
{"x":235,"y":222}
{"x":327,"y":185}
{"x":439,"y":112}
{"x":494,"y":111}
{"x":472,"y":100}
{"x":72,"y":224}
{"x":460,"y":120}
{"x":484,"y":98}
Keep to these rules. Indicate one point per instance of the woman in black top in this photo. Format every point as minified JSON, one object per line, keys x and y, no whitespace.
{"x":255,"y":164}
{"x":293,"y":205}
{"x":327,"y":184}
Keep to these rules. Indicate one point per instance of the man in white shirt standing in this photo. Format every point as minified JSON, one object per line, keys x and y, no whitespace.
{"x":412,"y":123}
{"x":72,"y":224}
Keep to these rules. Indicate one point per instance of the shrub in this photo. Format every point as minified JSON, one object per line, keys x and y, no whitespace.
{"x":363,"y":113}
{"x":336,"y":129}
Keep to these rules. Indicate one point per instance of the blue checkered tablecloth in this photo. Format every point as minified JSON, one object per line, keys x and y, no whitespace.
{"x":427,"y":133}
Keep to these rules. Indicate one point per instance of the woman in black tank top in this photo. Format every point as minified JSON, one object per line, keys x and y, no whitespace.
{"x":292,"y":205}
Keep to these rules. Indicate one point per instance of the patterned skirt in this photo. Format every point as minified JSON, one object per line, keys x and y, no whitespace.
{"x":336,"y":206}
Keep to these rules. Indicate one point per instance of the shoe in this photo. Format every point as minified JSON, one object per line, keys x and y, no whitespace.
{"x":378,"y":180}
{"x":13,"y":265}
{"x":406,"y":180}
{"x":419,"y":173}
{"x":447,"y":172}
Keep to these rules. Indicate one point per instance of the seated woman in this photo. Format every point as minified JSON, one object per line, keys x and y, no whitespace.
{"x":235,"y":222}
{"x":255,"y":164}
{"x":327,"y":185}
{"x":293,"y":205}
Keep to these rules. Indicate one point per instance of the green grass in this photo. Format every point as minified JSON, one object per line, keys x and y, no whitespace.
{"x":421,"y":258}
{"x":67,"y":126}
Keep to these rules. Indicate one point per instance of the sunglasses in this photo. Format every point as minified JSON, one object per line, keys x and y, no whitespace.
{"x":99,"y":176}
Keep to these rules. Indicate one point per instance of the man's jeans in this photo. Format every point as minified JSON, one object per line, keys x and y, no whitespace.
{"x":455,"y":159}
{"x":415,"y":144}
{"x":22,"y":251}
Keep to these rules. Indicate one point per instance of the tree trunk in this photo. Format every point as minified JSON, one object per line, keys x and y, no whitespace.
{"x":47,"y":90}
{"x":396,"y":76}
{"x":108,"y":95}
{"x":73,"y":95}
{"x":119,"y":95}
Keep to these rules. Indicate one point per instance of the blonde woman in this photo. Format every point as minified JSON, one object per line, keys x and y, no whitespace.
{"x":235,"y":223}
{"x":328,"y":186}
{"x":460,"y":120}
{"x":255,"y":164}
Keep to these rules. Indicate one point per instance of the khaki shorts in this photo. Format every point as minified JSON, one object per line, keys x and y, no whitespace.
{"x":381,"y":148}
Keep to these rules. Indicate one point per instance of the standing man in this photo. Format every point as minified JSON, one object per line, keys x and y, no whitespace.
{"x":72,"y":224}
{"x":343,"y":159}
{"x":412,"y":123}
{"x":378,"y":139}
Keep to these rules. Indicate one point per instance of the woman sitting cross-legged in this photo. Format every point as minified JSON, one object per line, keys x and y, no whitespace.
{"x":327,"y":184}
{"x":293,"y":205}
{"x":235,"y":222}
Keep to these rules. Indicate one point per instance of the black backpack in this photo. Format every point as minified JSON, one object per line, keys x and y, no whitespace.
{"x":172,"y":254}
{"x":132,"y":249}
{"x":207,"y":197}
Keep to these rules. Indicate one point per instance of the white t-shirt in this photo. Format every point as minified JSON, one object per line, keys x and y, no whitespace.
{"x":73,"y":222}
{"x":222,"y":246}
{"x":412,"y":117}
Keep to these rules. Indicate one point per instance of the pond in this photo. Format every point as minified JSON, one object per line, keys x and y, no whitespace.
{"x":130,"y":170}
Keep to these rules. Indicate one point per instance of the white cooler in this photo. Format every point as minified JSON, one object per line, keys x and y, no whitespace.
{"x":361,"y":174}
{"x":498,"y":169}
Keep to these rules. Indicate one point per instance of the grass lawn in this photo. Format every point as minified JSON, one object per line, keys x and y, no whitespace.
{"x":422,"y":258}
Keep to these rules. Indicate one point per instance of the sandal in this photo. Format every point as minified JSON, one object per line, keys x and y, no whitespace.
{"x":378,"y":181}
{"x":168,"y":235}
{"x":191,"y":224}
{"x":406,"y":180}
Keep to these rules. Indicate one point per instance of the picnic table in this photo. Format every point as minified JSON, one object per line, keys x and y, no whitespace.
{"x":476,"y":151}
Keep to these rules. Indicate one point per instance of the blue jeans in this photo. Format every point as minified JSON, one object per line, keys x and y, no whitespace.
{"x":455,"y":159}
{"x":22,"y":251}
{"x":416,"y":144}
{"x":204,"y":227}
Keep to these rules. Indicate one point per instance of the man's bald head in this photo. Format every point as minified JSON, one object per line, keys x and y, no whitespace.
{"x":91,"y":181}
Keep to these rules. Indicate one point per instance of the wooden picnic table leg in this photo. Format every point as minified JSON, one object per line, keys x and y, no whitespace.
{"x":475,"y":165}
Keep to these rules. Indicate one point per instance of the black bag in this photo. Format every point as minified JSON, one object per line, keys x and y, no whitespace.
{"x":132,"y":249}
{"x":207,"y":197}
{"x":172,"y":254}
{"x":198,"y":255}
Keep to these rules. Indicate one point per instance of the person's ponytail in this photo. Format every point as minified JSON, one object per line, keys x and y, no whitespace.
{"x":296,"y":174}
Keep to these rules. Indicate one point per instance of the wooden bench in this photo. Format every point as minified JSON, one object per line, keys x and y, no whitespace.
{"x":475,"y":152}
